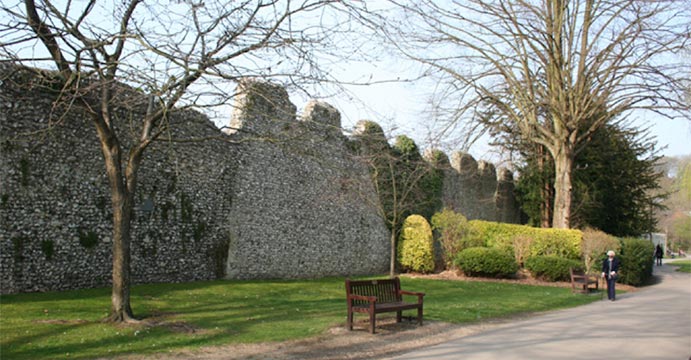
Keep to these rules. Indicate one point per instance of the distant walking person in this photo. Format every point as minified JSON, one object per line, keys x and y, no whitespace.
{"x":610,"y":270}
{"x":658,"y":255}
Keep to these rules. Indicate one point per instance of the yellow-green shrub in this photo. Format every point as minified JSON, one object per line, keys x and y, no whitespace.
{"x":564,"y":243}
{"x":415,"y":245}
{"x":521,"y":248}
{"x":452,"y":230}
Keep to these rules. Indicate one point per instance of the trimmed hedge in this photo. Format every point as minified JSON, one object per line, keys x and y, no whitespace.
{"x":636,"y":256}
{"x":548,"y":253}
{"x":415,"y":245}
{"x":486,"y":262}
{"x":565,"y":243}
{"x":551,"y":268}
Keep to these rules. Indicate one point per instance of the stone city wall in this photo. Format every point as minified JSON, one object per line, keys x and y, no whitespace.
{"x":474,"y":189}
{"x":274,"y":198}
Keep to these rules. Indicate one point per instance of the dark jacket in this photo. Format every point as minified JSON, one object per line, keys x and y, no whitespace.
{"x":615,"y":266}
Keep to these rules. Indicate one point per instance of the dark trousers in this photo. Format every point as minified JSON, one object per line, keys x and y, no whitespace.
{"x":610,"y":287}
{"x":658,"y":261}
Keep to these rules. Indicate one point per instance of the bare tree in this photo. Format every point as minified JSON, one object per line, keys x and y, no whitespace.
{"x":180,"y":54}
{"x":404,"y":182}
{"x":549,"y":67}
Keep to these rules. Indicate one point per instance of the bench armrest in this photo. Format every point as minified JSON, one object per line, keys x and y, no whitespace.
{"x":412,"y":293}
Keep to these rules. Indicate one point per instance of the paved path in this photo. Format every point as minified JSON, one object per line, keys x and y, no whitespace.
{"x":653,"y":323}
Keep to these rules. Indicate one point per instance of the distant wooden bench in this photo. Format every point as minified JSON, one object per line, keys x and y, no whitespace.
{"x":580,"y":281}
{"x":378,"y":296}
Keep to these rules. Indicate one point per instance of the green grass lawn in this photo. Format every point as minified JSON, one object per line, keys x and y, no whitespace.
{"x":190,"y":315}
{"x":682,"y":265}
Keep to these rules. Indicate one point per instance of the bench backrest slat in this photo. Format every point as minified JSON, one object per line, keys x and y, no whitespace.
{"x":386,"y":290}
{"x":578,"y":271}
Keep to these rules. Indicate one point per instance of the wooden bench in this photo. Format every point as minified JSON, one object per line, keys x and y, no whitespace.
{"x":379,"y":296}
{"x":580,"y":281}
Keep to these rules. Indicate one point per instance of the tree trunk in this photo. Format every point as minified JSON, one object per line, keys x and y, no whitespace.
{"x":546,"y":205}
{"x":392,"y":263}
{"x":563,"y":166}
{"x":545,"y":189}
{"x":121,"y":199}
{"x":121,"y":310}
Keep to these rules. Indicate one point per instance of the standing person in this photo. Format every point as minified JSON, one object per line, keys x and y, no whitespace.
{"x":610,"y":270}
{"x":658,"y":255}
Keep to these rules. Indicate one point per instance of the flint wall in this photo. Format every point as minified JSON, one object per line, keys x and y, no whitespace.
{"x":279,"y":196}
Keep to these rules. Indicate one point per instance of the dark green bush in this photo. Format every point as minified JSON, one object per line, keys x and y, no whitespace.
{"x":480,"y":261}
{"x":636,"y":256}
{"x":551,"y":268}
{"x":25,"y":171}
{"x":88,"y":239}
{"x":48,"y":248}
{"x":18,"y":245}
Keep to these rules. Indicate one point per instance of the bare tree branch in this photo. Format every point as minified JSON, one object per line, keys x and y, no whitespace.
{"x":151,"y":61}
{"x":548,"y":68}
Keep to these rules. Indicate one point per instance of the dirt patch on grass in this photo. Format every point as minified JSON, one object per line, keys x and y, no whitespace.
{"x":338,"y":343}
{"x":61,"y":321}
{"x":166,"y":320}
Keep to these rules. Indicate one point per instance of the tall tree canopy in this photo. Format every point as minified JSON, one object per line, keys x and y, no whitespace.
{"x":547,"y":68}
{"x":178,"y":54}
{"x":616,"y":183}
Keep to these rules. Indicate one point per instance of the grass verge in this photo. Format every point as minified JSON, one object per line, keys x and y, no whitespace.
{"x":682,"y":265}
{"x":191,"y":315}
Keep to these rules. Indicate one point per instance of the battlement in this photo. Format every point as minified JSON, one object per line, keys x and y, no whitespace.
{"x":206,"y":209}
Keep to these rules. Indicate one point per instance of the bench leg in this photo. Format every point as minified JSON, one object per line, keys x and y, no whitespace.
{"x":349,"y":323}
{"x":372,"y":322}
{"x":579,"y":287}
{"x":399,"y":315}
{"x":419,"y":316}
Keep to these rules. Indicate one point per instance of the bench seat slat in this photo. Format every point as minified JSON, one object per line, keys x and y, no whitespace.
{"x":387,"y":307}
